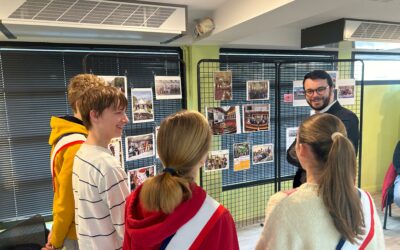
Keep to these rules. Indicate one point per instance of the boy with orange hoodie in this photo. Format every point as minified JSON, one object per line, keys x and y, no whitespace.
{"x":67,"y":135}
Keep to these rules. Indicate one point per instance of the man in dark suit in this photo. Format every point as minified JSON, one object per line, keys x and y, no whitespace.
{"x":319,"y":91}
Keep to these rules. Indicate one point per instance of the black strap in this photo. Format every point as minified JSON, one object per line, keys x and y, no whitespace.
{"x":171,"y":171}
{"x":165,"y":242}
{"x":59,"y":138}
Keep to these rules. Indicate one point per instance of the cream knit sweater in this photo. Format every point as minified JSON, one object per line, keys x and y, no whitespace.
{"x":299,"y":220}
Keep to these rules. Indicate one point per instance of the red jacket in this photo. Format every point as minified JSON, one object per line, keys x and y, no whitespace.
{"x":147,"y":230}
{"x":387,"y":182}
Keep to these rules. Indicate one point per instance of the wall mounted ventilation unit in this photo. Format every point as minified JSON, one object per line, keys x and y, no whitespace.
{"x":98,"y":20}
{"x":350,"y":30}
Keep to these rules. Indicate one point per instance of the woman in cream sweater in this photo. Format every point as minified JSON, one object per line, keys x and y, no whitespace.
{"x":328,"y":211}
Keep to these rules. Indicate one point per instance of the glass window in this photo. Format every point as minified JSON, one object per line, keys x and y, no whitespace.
{"x":378,"y":67}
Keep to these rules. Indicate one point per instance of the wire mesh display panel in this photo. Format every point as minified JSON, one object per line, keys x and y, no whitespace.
{"x":244,"y":186}
{"x":140,"y":70}
{"x":291,"y":115}
{"x":246,"y":190}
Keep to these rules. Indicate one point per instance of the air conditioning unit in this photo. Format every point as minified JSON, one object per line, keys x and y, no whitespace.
{"x":350,"y":30}
{"x":101,"y":21}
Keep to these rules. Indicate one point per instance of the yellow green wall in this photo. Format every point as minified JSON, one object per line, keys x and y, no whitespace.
{"x":381,"y":131}
{"x":191,"y":56}
{"x":381,"y":128}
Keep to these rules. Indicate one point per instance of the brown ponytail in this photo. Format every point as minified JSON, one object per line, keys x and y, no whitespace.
{"x":183,"y":140}
{"x":338,"y":171}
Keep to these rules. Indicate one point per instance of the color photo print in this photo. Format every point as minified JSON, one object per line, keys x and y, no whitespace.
{"x":241,"y":156}
{"x":155,"y":142}
{"x":139,"y":175}
{"x":257,"y":90}
{"x":142,"y":105}
{"x":263,"y":153}
{"x":224,"y":119}
{"x":255,"y":118}
{"x":217,"y":160}
{"x":139,"y":146}
{"x":115,"y":146}
{"x":120,"y":82}
{"x":223,"y":85}
{"x":299,"y":95}
{"x":291,"y":134}
{"x":346,"y":91}
{"x":168,"y":87}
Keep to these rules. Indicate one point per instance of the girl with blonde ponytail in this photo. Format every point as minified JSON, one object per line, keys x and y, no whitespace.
{"x":170,"y":211}
{"x":328,"y":211}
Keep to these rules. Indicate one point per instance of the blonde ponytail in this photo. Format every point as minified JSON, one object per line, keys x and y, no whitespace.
{"x":183,"y":140}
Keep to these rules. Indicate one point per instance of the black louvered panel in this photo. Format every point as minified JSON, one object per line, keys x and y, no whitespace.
{"x":33,"y":87}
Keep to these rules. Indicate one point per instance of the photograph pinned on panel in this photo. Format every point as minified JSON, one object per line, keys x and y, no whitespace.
{"x":142,"y":105}
{"x":139,"y":175}
{"x":299,"y":95}
{"x":168,"y":87}
{"x":223,"y":85}
{"x":257,"y":90}
{"x":155,"y":142}
{"x":256,"y":118}
{"x":334,"y":76}
{"x":217,"y":160}
{"x":115,"y":146}
{"x":346,"y":91}
{"x":263,"y":153}
{"x":241,"y":156}
{"x":120,"y":82}
{"x":224,"y":119}
{"x":139,"y":146}
{"x":291,"y":134}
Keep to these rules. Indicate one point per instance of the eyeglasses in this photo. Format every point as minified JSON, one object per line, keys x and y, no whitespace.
{"x":320,"y":91}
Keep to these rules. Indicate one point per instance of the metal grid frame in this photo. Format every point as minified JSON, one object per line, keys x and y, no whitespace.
{"x":244,"y":192}
{"x":244,"y":195}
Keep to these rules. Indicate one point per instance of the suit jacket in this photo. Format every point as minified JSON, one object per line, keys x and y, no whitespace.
{"x":350,"y":121}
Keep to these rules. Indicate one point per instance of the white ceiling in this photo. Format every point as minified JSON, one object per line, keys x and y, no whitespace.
{"x":260,"y":24}
{"x":268,"y":24}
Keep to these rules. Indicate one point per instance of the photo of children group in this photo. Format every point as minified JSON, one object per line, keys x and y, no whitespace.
{"x":263,"y":153}
{"x":168,"y":87}
{"x":217,"y":160}
{"x":257,"y":90}
{"x":241,"y":156}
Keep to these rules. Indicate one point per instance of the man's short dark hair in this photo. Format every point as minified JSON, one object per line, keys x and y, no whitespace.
{"x":318,"y":74}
